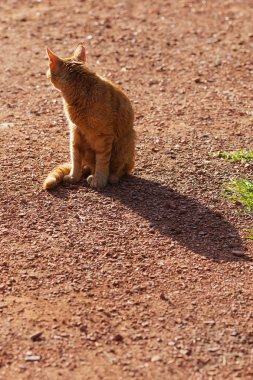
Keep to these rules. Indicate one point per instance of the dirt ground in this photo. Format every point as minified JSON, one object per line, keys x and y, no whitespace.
{"x":151,"y":279}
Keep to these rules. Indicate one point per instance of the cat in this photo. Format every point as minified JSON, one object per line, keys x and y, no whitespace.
{"x":101,"y":118}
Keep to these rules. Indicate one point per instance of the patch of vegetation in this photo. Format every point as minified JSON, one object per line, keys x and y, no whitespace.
{"x":240,"y":191}
{"x":240,"y":155}
{"x":250,"y":236}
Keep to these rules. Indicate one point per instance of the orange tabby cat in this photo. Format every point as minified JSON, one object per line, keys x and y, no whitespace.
{"x":100,"y":118}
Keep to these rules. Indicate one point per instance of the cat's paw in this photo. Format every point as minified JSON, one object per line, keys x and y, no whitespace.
{"x":98,"y":181}
{"x":70,"y":179}
{"x":114,"y":179}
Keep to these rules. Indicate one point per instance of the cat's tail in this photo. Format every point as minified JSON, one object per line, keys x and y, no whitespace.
{"x":56,"y":176}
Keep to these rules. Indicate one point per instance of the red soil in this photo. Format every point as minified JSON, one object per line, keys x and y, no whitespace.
{"x":151,"y":279}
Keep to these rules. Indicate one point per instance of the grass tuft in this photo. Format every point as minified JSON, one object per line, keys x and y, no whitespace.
{"x":240,"y":155}
{"x":250,"y":236}
{"x":240,"y":191}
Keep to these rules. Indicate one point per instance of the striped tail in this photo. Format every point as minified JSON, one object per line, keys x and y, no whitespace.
{"x":56,"y":176}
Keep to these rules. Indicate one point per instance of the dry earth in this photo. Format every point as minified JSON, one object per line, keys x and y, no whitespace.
{"x":151,"y":279}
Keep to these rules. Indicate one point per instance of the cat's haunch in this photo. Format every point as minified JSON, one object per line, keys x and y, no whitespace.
{"x":101,"y":117}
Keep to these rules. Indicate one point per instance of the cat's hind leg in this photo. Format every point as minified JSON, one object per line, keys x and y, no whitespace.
{"x":115,"y":176}
{"x":122,"y":159}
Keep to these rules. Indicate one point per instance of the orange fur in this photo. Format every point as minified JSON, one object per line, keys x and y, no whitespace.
{"x":100,"y":115}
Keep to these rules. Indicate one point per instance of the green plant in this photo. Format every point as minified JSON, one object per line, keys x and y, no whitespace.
{"x":241,"y":155}
{"x":250,"y":236}
{"x":240,"y":191}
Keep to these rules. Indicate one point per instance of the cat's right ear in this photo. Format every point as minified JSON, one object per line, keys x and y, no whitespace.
{"x":80,"y":54}
{"x":54,"y":61}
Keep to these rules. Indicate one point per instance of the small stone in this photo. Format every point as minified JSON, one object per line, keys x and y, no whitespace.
{"x":156,"y":358}
{"x":211,"y":322}
{"x":57,"y":337}
{"x":186,"y":352}
{"x":83,"y":328}
{"x":238,"y":253}
{"x":37,"y":336}
{"x":32,"y":358}
{"x":213,"y":349}
{"x":153,"y":82}
{"x":6,"y":125}
{"x":64,"y":335}
{"x":118,"y":338}
{"x":163,"y":297}
{"x":197,"y":80}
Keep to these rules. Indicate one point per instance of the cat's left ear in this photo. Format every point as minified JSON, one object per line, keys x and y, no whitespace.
{"x":54,"y":61}
{"x":80,"y":54}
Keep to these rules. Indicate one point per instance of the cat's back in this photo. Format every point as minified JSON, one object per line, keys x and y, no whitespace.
{"x":100,"y":102}
{"x":115,"y":100}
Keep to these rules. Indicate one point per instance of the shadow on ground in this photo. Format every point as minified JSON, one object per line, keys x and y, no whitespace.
{"x":183,"y":219}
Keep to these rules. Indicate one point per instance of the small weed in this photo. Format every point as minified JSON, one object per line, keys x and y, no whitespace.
{"x":240,"y":155}
{"x":250,"y":236}
{"x":240,"y":191}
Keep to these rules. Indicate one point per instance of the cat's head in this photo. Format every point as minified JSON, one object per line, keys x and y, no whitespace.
{"x":61,"y":69}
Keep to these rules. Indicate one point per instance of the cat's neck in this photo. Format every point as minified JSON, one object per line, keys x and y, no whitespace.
{"x":79,"y":90}
{"x":73,"y":97}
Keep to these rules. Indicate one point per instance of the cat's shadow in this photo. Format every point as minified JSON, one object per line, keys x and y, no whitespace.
{"x":180,"y":217}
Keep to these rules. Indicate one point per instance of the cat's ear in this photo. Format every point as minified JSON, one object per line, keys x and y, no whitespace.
{"x":54,"y":61}
{"x":80,"y":54}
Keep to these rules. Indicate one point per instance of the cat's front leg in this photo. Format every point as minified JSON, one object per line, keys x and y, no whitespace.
{"x":103,"y":154}
{"x":76,"y":156}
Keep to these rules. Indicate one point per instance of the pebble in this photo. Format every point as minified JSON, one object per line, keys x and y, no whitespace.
{"x":6,"y":125}
{"x":211,"y":322}
{"x":238,"y":253}
{"x":118,"y":338}
{"x":32,"y":358}
{"x":213,"y":349}
{"x":153,"y":81}
{"x":37,"y":336}
{"x":57,"y":337}
{"x":163,"y":297}
{"x":156,"y":358}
